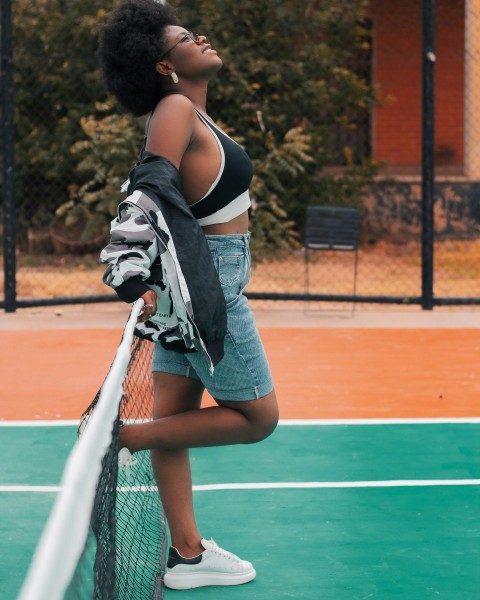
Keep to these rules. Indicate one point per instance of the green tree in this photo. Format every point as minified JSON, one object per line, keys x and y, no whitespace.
{"x":273,"y":231}
{"x":290,"y":89}
{"x":298,"y":64}
{"x":104,"y":161}
{"x":57,"y":82}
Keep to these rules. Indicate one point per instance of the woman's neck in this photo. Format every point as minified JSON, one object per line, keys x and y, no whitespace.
{"x":194,"y":91}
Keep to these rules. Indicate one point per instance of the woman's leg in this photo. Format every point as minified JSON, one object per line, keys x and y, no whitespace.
{"x":175,"y":394}
{"x":228,"y":423}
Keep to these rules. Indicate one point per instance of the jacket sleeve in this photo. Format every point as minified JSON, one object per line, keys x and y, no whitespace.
{"x":129,"y":255}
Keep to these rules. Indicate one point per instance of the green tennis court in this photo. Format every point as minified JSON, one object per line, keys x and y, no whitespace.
{"x":327,"y":510}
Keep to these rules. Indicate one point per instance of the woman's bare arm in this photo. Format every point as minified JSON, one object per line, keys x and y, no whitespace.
{"x":170,"y":131}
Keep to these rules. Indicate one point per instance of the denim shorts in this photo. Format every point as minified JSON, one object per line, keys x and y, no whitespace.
{"x":243,"y":373}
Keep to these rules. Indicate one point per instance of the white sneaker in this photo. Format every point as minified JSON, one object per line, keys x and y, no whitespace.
{"x":214,"y":566}
{"x":126,"y":460}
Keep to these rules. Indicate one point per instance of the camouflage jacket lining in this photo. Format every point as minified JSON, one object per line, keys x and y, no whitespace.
{"x":156,"y":243}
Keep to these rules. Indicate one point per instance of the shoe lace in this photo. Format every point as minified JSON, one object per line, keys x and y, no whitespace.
{"x":224,"y":553}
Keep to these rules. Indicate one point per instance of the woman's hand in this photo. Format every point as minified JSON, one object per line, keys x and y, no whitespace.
{"x":150,"y":306}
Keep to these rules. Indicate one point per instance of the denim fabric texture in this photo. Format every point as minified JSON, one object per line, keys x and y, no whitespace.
{"x":243,"y":373}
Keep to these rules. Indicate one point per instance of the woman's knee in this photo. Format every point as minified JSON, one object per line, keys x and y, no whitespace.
{"x":261,"y":416}
{"x":262,"y":428}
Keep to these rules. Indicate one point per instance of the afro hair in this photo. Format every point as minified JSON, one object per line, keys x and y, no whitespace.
{"x":131,"y":43}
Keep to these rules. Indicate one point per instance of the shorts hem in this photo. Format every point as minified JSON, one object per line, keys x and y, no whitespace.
{"x":251,"y":393}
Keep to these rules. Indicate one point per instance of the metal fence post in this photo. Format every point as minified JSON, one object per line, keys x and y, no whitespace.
{"x":428,"y":149}
{"x":8,"y":144}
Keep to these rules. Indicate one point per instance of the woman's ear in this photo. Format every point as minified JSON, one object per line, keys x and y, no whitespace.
{"x":164,"y":68}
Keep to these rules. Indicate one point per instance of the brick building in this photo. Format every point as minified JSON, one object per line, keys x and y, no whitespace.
{"x":393,"y":210}
{"x":396,"y":70}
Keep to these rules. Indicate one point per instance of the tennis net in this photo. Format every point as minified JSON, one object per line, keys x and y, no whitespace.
{"x":106,"y":537}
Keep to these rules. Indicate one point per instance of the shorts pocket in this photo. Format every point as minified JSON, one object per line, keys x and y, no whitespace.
{"x":230,"y":269}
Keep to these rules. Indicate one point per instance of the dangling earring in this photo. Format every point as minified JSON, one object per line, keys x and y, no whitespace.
{"x":174,"y":76}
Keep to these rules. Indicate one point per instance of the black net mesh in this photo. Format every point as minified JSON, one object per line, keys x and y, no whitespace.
{"x":124,"y":557}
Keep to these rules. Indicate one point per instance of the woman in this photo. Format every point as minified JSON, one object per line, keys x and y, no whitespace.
{"x":154,"y":65}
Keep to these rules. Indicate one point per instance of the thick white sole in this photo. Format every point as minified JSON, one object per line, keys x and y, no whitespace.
{"x":187,"y":581}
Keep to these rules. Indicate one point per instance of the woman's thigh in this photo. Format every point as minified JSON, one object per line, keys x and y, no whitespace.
{"x":175,"y":394}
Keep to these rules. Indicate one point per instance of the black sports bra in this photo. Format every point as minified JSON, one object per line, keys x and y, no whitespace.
{"x":228,"y":195}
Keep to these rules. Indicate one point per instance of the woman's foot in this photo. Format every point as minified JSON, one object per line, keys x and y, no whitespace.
{"x":126,"y":460}
{"x":214,"y":566}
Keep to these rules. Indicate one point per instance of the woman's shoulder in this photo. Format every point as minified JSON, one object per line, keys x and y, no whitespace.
{"x":171,"y":128}
{"x":174,"y":102}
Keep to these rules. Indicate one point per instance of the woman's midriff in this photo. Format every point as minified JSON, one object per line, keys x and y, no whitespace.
{"x":237,"y":225}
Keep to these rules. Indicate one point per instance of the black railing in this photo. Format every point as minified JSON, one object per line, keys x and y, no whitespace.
{"x":8,"y":156}
{"x":428,"y":150}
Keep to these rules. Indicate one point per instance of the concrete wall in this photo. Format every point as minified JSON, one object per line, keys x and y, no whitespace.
{"x":393,"y":211}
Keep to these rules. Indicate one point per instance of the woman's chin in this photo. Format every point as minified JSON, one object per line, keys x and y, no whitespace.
{"x":215,"y":64}
{"x":213,"y":56}
{"x":209,"y":67}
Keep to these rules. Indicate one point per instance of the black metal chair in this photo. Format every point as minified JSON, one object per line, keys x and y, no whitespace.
{"x":331,"y":228}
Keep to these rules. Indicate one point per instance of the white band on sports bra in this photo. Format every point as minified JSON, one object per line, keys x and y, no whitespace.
{"x":226,"y":214}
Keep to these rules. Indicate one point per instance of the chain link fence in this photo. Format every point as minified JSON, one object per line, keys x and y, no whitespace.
{"x":330,"y":108}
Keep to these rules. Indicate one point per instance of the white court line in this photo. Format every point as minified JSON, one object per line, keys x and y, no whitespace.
{"x":283,"y":422}
{"x":36,"y":489}
{"x":268,"y":486}
{"x":39,"y":423}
